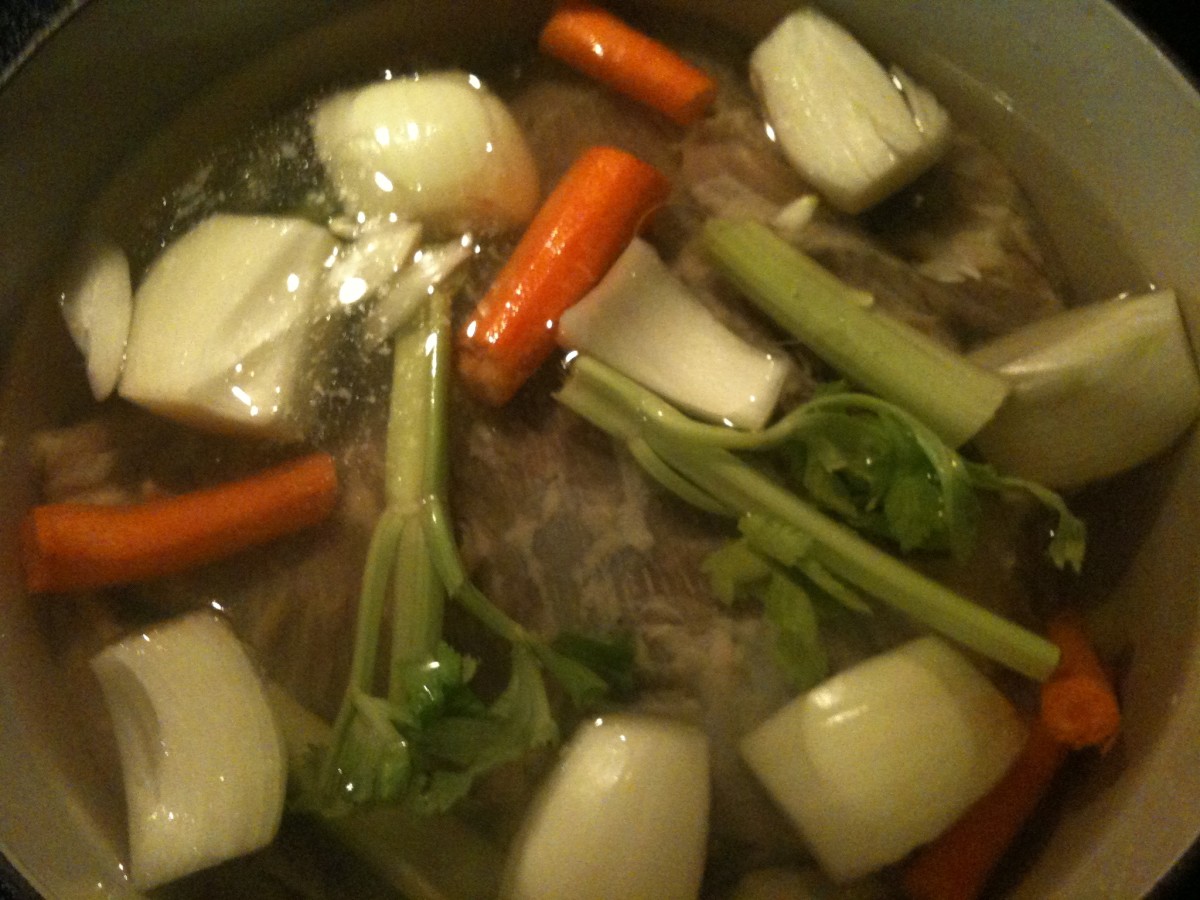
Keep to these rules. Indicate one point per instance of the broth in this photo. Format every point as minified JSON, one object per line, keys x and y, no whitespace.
{"x":533,"y":487}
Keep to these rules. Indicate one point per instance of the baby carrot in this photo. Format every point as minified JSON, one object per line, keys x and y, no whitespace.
{"x":1078,"y":703}
{"x":76,"y":546}
{"x":615,"y":54}
{"x":957,"y":864}
{"x":585,"y":223}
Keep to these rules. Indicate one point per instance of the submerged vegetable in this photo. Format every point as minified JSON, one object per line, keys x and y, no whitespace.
{"x":886,"y":755}
{"x":76,"y":546}
{"x":222,"y":324}
{"x":607,"y":49}
{"x":947,"y":392}
{"x":97,"y":305}
{"x":854,"y":130}
{"x":1096,"y":390}
{"x":641,"y":320}
{"x":203,"y":764}
{"x":623,"y":814}
{"x":438,"y":147}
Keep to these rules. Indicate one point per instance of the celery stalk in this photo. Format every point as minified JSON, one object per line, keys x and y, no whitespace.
{"x":633,"y":414}
{"x":952,"y":396}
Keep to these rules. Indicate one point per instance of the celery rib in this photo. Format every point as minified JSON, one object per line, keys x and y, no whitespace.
{"x":948,"y":393}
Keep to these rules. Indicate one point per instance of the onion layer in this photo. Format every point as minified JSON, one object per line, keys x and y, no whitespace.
{"x":203,"y":763}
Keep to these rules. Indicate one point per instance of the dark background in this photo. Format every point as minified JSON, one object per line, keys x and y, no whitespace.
{"x":20,"y":20}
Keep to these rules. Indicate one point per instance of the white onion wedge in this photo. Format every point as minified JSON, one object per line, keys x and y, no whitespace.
{"x":884,"y":756}
{"x":1096,"y":390}
{"x":372,"y":260}
{"x":222,"y":324}
{"x":645,"y":323}
{"x":202,"y":761}
{"x":855,"y":131}
{"x":623,"y":814}
{"x":429,"y":267}
{"x":439,"y":148}
{"x":97,"y":305}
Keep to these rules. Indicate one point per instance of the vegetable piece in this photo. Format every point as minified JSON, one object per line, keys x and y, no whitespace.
{"x":222,"y":323}
{"x":1095,"y":390}
{"x":203,"y":764}
{"x":607,"y":49}
{"x":97,"y":304}
{"x":662,"y":440}
{"x":1079,"y":706}
{"x":623,"y":814}
{"x":643,"y":321}
{"x":374,"y":259}
{"x":439,"y":147}
{"x":884,"y":756}
{"x":581,"y":229}
{"x":956,"y":866}
{"x":75,"y":546}
{"x":425,"y":737}
{"x":430,"y":266}
{"x":852,"y":129}
{"x":950,"y":394}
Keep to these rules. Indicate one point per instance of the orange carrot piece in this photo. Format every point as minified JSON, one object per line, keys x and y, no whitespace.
{"x":957,"y":864}
{"x":619,"y":56}
{"x":76,"y":546}
{"x":585,"y":223}
{"x":1078,"y":703}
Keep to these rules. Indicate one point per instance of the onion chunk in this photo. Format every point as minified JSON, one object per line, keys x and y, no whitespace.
{"x":202,"y":760}
{"x":854,"y":130}
{"x":886,"y":755}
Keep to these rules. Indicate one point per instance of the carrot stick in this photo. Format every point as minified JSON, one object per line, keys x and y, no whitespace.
{"x":957,"y":864}
{"x":585,"y":223}
{"x":76,"y":546}
{"x":619,"y":56}
{"x":1078,"y":703}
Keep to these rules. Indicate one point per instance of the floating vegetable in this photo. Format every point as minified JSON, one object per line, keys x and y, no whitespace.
{"x":950,"y":394}
{"x":203,"y":764}
{"x":589,"y":218}
{"x":623,"y":814}
{"x":1096,"y":390}
{"x":643,"y":321}
{"x":856,"y":131}
{"x":222,"y":324}
{"x":440,"y":148}
{"x":97,"y":304}
{"x":884,"y":756}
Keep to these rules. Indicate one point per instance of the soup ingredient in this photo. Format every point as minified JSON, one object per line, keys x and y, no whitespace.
{"x":956,"y":866}
{"x":1079,"y":707}
{"x":372,"y":260}
{"x":591,"y":215}
{"x":430,"y":266}
{"x":203,"y":764}
{"x":884,"y":756}
{"x":623,"y":814}
{"x":605,"y":48}
{"x":97,"y":304}
{"x":826,"y":553}
{"x":438,"y":147}
{"x":643,"y":321}
{"x":856,"y":131}
{"x":425,"y":737}
{"x":79,"y":546}
{"x":1096,"y":390}
{"x":222,"y":324}
{"x":950,"y":394}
